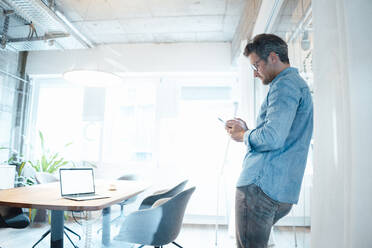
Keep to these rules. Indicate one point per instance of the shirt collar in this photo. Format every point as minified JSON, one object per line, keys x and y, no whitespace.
{"x":284,"y":72}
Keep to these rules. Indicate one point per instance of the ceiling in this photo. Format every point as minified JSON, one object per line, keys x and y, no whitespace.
{"x":292,"y":14}
{"x":154,"y":21}
{"x":128,"y":21}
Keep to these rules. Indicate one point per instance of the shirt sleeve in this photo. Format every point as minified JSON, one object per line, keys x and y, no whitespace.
{"x":283,"y":101}
{"x":246,"y":139}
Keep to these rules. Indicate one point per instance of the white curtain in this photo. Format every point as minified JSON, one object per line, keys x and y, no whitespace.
{"x":341,"y":206}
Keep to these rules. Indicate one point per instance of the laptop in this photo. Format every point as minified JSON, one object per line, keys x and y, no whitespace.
{"x":78,"y":184}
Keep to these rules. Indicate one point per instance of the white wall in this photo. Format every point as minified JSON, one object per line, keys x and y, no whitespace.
{"x":179,"y":57}
{"x":342,"y":195}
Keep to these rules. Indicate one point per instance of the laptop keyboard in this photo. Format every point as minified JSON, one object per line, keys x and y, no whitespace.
{"x":85,"y":197}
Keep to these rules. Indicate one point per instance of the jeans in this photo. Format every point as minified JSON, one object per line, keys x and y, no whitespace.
{"x":255,"y":214}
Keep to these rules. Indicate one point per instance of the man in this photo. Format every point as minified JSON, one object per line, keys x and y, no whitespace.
{"x":277,"y":148}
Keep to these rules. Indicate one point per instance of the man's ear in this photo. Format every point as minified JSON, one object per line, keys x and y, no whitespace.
{"x":274,"y":57}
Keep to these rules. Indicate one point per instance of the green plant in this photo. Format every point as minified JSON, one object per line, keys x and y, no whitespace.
{"x":49,"y":162}
{"x":22,"y":180}
{"x":17,"y":161}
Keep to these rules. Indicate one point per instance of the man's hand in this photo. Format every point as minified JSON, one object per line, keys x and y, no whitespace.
{"x":236,"y":129}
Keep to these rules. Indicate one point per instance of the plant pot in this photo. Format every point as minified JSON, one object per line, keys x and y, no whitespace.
{"x":41,"y":215}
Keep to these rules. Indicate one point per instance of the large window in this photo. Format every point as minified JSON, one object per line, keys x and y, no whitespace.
{"x":162,"y":127}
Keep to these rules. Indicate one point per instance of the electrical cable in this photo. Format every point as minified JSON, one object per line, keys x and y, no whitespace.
{"x":88,"y":229}
{"x":73,"y":216}
{"x":29,"y":31}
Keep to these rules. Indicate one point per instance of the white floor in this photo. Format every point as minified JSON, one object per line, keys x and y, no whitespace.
{"x":191,"y":236}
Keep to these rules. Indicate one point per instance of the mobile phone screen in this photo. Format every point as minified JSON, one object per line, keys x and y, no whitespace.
{"x":224,"y":122}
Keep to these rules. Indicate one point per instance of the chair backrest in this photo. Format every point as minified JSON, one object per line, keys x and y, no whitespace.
{"x":156,"y":226}
{"x":129,"y":177}
{"x":148,"y":201}
{"x":44,"y":177}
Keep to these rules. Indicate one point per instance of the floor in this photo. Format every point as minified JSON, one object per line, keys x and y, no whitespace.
{"x":191,"y":236}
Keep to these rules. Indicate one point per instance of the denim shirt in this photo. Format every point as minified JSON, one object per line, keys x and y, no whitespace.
{"x":277,"y":148}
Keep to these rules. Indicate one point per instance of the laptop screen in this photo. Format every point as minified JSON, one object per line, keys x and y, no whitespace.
{"x":76,"y":181}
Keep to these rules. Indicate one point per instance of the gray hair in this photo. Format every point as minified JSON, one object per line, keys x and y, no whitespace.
{"x":264,"y":44}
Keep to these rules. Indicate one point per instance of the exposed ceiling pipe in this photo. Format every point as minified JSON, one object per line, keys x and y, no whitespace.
{"x":46,"y":37}
{"x":73,"y":30}
{"x":49,"y":20}
{"x":38,"y":13}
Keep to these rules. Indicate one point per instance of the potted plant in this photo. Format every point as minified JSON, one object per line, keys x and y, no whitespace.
{"x":49,"y":161}
{"x":11,"y":171}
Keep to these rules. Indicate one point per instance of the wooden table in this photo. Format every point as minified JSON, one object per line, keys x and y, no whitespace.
{"x":48,"y":196}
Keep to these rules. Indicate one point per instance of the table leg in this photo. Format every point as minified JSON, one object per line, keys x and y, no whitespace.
{"x":56,"y":233}
{"x":106,"y":218}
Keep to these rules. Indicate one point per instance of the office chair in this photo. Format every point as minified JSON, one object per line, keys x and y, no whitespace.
{"x":128,"y":177}
{"x":156,"y":226}
{"x":44,"y":177}
{"x":15,"y":218}
{"x":150,"y":200}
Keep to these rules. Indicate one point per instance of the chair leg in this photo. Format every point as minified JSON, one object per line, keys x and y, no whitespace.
{"x":68,"y":229}
{"x":70,"y":239}
{"x":42,"y":237}
{"x":177,"y":244}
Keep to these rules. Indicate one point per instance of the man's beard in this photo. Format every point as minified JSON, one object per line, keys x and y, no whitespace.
{"x":267,"y":80}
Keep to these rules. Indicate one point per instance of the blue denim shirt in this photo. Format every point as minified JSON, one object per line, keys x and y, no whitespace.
{"x":277,"y":148}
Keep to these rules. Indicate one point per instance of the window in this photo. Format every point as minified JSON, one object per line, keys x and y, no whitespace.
{"x":152,"y":125}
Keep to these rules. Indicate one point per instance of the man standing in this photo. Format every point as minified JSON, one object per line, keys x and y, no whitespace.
{"x":277,"y":148}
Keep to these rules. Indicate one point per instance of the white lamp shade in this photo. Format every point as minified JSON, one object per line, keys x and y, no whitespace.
{"x":92,"y":78}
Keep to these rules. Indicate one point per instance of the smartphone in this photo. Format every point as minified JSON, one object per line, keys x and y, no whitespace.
{"x":224,"y":122}
{"x":221,"y":120}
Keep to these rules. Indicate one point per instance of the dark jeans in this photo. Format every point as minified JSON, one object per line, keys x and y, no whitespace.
{"x":255,"y":214}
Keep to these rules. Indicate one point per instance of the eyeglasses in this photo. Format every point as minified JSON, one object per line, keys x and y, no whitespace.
{"x":255,"y":66}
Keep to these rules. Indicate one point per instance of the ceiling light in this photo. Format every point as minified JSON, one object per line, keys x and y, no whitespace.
{"x":92,"y":78}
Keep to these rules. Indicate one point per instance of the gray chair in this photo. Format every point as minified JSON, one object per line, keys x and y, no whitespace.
{"x":44,"y":177}
{"x":156,"y":226}
{"x":150,"y":200}
{"x":13,"y":217}
{"x":126,"y":177}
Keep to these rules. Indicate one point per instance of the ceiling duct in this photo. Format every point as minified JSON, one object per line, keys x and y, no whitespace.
{"x":57,"y":32}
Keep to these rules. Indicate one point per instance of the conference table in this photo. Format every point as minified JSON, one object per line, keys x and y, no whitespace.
{"x":48,"y":196}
